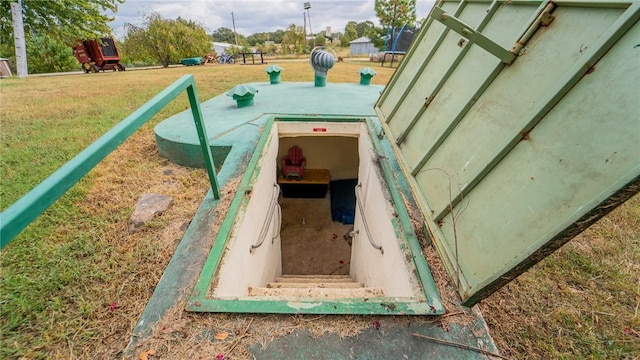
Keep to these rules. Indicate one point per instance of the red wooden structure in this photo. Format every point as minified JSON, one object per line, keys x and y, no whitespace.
{"x":96,"y":55}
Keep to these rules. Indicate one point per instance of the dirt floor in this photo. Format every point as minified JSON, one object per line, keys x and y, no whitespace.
{"x":312,"y":244}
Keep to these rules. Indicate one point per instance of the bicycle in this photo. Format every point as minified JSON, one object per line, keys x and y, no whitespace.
{"x":226,"y":59}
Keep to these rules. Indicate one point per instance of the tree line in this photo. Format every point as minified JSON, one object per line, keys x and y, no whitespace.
{"x":52,"y":27}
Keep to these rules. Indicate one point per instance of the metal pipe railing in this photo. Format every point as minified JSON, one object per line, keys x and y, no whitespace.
{"x":279,"y":227}
{"x":21,"y":213}
{"x":267,"y":221}
{"x":364,"y":222}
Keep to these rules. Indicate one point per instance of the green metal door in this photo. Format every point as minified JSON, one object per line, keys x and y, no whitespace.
{"x":518,"y":124}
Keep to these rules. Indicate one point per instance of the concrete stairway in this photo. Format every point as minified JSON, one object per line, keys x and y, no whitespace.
{"x":316,"y":286}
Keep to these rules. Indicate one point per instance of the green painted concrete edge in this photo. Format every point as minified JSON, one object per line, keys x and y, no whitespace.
{"x":178,"y":278}
{"x":350,"y":306}
{"x":320,"y":118}
{"x":397,"y":177}
{"x":190,"y":155}
{"x":199,"y":302}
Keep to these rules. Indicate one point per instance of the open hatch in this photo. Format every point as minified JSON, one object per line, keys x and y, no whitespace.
{"x":331,"y":237}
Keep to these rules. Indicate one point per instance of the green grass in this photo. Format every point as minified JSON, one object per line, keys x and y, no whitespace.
{"x":60,"y":276}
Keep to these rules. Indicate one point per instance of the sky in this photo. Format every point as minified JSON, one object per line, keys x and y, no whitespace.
{"x":253,"y":16}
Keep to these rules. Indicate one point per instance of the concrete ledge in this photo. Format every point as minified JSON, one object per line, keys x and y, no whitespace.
{"x":229,"y":126}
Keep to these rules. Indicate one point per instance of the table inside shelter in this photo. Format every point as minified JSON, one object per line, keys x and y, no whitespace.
{"x":312,"y":184}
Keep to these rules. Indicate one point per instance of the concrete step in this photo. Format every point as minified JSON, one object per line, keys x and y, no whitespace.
{"x":316,"y":293}
{"x":318,"y":284}
{"x":313,"y":279}
{"x":317,"y":276}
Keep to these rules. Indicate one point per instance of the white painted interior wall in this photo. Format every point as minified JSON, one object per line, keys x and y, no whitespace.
{"x":388,"y":271}
{"x":241,"y":268}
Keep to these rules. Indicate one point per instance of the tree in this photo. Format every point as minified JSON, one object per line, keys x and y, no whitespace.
{"x":319,"y":40}
{"x":47,"y":54}
{"x":277,"y":36}
{"x":268,"y":49}
{"x":396,"y":13}
{"x":226,"y":35}
{"x":66,"y":20}
{"x":294,"y":39}
{"x":6,"y":51}
{"x":350,"y":33}
{"x":366,"y":28}
{"x":257,"y":38}
{"x":168,"y":41}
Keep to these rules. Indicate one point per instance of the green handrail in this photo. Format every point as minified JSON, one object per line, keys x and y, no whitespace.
{"x":21,"y":213}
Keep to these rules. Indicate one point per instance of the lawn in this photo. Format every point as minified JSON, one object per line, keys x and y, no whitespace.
{"x":74,"y":283}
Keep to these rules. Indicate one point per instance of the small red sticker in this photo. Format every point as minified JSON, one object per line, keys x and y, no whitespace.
{"x":319,"y":129}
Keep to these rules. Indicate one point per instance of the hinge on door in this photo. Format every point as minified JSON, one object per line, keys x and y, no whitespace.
{"x":506,"y":56}
{"x":544,"y":19}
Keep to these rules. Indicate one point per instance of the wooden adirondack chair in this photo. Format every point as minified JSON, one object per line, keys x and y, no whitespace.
{"x":293,"y":163}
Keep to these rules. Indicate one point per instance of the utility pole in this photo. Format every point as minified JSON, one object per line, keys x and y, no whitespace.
{"x":233,"y":20}
{"x":307,"y":6}
{"x":305,"y":28}
{"x":393,"y":28}
{"x":19,"y":40}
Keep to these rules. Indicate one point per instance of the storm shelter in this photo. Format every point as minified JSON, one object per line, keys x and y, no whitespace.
{"x":335,"y":238}
{"x":505,"y":158}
